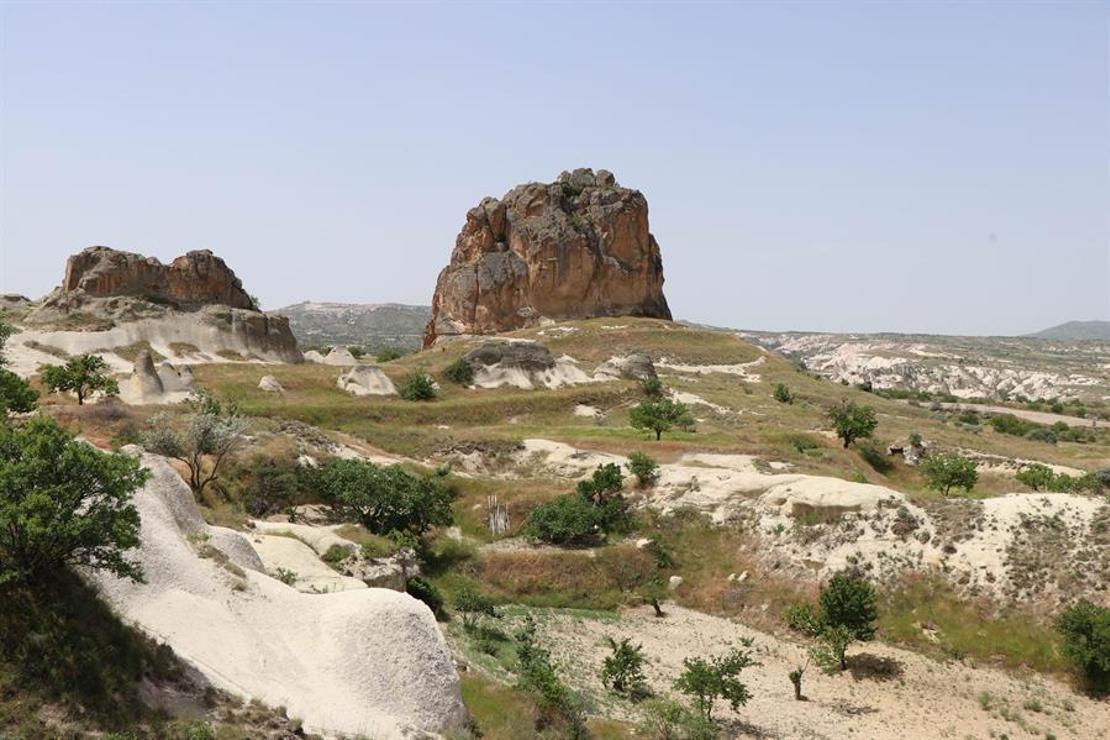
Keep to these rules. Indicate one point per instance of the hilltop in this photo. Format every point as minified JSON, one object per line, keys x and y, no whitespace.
{"x":1076,"y":331}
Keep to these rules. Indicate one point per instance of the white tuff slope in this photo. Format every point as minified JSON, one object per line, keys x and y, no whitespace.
{"x":362,"y":662}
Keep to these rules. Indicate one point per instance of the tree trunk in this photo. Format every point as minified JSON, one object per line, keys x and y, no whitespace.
{"x":658,"y":609}
{"x":658,"y":435}
{"x":843,"y":660}
{"x":796,"y":679}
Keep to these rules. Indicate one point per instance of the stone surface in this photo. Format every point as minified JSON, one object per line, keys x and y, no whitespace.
{"x":270,"y":384}
{"x":366,"y":380}
{"x":576,"y":248}
{"x":145,"y":383}
{"x":633,"y":366}
{"x":521,"y":364}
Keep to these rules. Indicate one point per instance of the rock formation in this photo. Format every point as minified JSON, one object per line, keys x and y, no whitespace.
{"x":270,"y":384}
{"x":633,"y":366}
{"x":366,"y":380}
{"x":576,"y":248}
{"x":522,"y":364}
{"x":194,"y":280}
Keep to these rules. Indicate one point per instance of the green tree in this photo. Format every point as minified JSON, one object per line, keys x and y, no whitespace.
{"x":652,"y":388}
{"x":1037,"y":476}
{"x":947,"y":471}
{"x":623,"y":669}
{"x":418,"y":386}
{"x":16,"y":394}
{"x":644,"y":468}
{"x":782,"y":394}
{"x":389,"y":354}
{"x":209,"y":437}
{"x":383,"y":499}
{"x":706,"y":680}
{"x":852,"y":421}
{"x":660,"y":416}
{"x":565,"y":520}
{"x":63,"y":502}
{"x":1085,"y":628}
{"x":848,"y":612}
{"x":83,"y":375}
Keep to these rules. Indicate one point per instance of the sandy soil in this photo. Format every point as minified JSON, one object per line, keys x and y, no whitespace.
{"x":887,"y":692}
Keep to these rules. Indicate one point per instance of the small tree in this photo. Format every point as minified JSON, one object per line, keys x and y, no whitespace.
{"x":473,"y":605}
{"x":63,"y":502}
{"x":852,"y":421}
{"x":83,"y":375}
{"x":782,"y":394}
{"x":1085,"y":628}
{"x":660,"y":416}
{"x":795,"y":677}
{"x":209,"y":437}
{"x":1037,"y":476}
{"x":945,"y":472}
{"x":707,"y":679}
{"x":418,"y":386}
{"x":16,"y":394}
{"x":644,"y":468}
{"x":848,"y":612}
{"x":460,"y":372}
{"x":383,"y":499}
{"x":623,"y":669}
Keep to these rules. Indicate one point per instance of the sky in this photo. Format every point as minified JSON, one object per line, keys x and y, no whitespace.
{"x":836,"y":166}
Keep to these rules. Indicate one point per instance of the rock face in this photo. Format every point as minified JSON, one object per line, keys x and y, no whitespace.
{"x":196,"y":279}
{"x":366,"y":380}
{"x":576,"y":248}
{"x":522,"y":364}
{"x":634,"y":366}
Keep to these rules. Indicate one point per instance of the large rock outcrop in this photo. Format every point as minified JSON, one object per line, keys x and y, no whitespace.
{"x":193,"y":280}
{"x":576,"y":248}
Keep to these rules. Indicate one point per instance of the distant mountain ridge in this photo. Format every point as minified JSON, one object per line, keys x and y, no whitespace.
{"x":1076,"y":331}
{"x":370,"y":325}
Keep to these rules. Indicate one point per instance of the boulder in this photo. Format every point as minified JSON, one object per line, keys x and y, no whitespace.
{"x":575,"y":248}
{"x":633,"y":366}
{"x":339,"y":356}
{"x":366,"y":380}
{"x":270,"y":384}
{"x":313,"y":356}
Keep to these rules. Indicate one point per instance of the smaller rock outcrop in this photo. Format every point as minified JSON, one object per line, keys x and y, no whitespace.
{"x":270,"y":384}
{"x":313,"y":356}
{"x":145,"y":385}
{"x":174,"y":380}
{"x":366,"y":380}
{"x":521,"y":364}
{"x":340,"y":356}
{"x":633,"y":366}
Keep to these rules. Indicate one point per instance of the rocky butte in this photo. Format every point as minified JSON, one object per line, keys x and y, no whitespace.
{"x":575,"y":248}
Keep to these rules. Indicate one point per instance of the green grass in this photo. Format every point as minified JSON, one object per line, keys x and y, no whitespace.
{"x":966,"y":630}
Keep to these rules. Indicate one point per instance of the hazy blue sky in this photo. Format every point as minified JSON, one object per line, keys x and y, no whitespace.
{"x":935,"y":167}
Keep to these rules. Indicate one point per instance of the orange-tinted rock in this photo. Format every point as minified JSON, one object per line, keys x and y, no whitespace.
{"x":576,"y":248}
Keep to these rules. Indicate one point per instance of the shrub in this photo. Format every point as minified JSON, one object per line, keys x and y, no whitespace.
{"x":666,"y":719}
{"x":652,"y":388}
{"x":418,"y":386}
{"x":874,"y":457}
{"x":803,"y":443}
{"x":356,"y":351}
{"x":337,"y":554}
{"x":1010,"y":424}
{"x":1051,"y":436}
{"x":644,"y":468}
{"x":845,"y":611}
{"x":782,"y":394}
{"x":623,"y":669}
{"x":853,"y":422}
{"x":83,"y":375}
{"x":460,"y":372}
{"x":566,"y":520}
{"x":1085,"y":628}
{"x":945,"y":472}
{"x":707,"y":679}
{"x":1035,"y":475}
{"x":420,"y":589}
{"x":538,"y":676}
{"x":16,"y":394}
{"x":63,"y":502}
{"x":389,"y":354}
{"x":473,"y":605}
{"x":211,"y":434}
{"x":383,"y":499}
{"x":275,"y":485}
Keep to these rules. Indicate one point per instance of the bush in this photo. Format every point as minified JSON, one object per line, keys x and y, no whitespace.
{"x":1035,"y":475}
{"x":652,"y":388}
{"x":853,"y":422}
{"x":383,"y":499}
{"x":537,"y":675}
{"x":63,"y":502}
{"x":1085,"y":628}
{"x":356,"y":351}
{"x":874,"y":457}
{"x":718,"y":677}
{"x":211,"y":434}
{"x":420,"y":589}
{"x":1010,"y":424}
{"x":623,"y":669}
{"x":275,"y":485}
{"x":945,"y":472}
{"x":473,"y":605}
{"x":644,"y":468}
{"x":782,"y":394}
{"x":84,"y":375}
{"x":389,"y":354}
{"x":16,"y":394}
{"x":666,"y":719}
{"x":566,"y":520}
{"x":845,"y":611}
{"x":418,"y":386}
{"x":459,"y":372}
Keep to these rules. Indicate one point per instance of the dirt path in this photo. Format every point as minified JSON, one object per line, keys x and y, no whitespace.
{"x":888,"y":693}
{"x":1037,"y":417}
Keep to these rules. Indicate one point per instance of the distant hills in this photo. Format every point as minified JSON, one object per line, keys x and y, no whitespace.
{"x":369,"y":325}
{"x":1076,"y":330}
